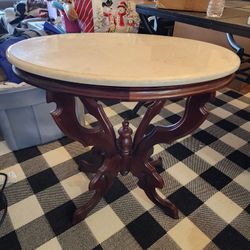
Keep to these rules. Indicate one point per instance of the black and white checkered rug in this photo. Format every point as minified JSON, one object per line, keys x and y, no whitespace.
{"x":206,"y":175}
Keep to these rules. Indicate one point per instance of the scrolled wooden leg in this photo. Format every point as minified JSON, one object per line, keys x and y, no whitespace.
{"x":101,"y":182}
{"x":92,"y":167}
{"x":151,"y":180}
{"x":82,"y":212}
{"x":97,"y":151}
{"x":156,"y":162}
{"x":88,"y":167}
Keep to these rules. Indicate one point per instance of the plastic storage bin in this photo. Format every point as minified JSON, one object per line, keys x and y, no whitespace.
{"x":25,"y":118}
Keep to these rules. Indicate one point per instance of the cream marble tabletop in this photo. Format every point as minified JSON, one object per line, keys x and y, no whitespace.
{"x":123,"y":59}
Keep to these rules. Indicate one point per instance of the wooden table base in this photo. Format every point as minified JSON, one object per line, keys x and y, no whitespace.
{"x":125,"y":154}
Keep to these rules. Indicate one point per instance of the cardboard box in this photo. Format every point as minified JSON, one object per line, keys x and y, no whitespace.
{"x":186,"y":5}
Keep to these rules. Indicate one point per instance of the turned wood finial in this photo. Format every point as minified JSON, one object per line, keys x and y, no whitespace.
{"x":125,"y":145}
{"x":125,"y":139}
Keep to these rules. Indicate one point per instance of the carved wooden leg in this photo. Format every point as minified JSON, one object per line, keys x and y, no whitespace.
{"x":149,"y":180}
{"x":82,"y":212}
{"x":101,"y":182}
{"x":156,"y":162}
{"x":101,"y":137}
{"x":92,"y":167}
{"x":149,"y":188}
{"x":88,"y":167}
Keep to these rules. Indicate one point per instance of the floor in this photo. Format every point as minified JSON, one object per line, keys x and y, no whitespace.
{"x":206,"y":176}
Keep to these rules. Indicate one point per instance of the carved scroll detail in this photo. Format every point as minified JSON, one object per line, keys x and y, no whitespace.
{"x":101,"y":182}
{"x":195,"y":114}
{"x":66,"y":119}
{"x":149,"y":180}
{"x":151,"y":112}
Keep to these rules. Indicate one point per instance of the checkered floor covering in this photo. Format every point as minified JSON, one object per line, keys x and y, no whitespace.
{"x":206,"y":175}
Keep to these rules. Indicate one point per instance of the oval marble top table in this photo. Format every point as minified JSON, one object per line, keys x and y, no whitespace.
{"x":124,"y":60}
{"x":128,"y":67}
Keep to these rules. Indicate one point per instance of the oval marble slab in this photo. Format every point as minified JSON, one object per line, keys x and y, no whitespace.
{"x":123,"y":60}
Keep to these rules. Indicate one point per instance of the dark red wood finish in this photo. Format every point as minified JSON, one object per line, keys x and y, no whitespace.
{"x":125,"y":153}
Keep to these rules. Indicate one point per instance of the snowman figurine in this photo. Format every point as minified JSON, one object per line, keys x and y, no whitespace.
{"x":108,"y":19}
{"x":121,"y":17}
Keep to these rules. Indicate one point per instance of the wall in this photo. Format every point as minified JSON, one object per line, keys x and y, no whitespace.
{"x":189,"y":31}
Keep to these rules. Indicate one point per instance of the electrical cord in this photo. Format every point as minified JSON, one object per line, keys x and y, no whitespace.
{"x":3,"y":199}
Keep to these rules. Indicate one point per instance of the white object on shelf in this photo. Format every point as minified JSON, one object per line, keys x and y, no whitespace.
{"x":38,"y":25}
{"x":215,"y":8}
{"x":248,"y":22}
{"x":52,"y":11}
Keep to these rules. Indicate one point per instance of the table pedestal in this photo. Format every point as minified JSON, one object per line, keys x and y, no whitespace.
{"x":125,"y":154}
